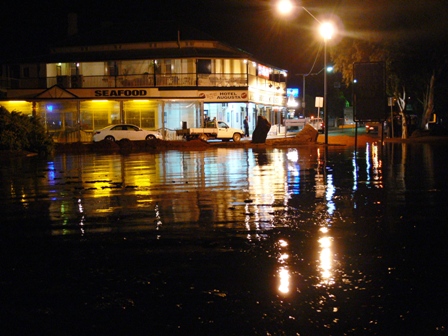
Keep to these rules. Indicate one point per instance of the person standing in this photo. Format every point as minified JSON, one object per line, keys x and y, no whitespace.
{"x":246,"y":127}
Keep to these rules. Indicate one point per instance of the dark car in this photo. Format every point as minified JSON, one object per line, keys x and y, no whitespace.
{"x":372,"y":127}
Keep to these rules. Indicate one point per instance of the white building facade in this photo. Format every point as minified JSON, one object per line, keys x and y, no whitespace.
{"x":163,"y":85}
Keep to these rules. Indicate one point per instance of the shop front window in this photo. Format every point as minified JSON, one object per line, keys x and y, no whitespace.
{"x":179,"y":113}
{"x":141,"y":113}
{"x":98,"y":114}
{"x":58,"y":116}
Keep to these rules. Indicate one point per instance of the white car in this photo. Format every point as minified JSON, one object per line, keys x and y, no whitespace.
{"x":124,"y":131}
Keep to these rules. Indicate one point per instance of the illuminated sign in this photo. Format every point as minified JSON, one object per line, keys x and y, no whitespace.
{"x":263,"y":71}
{"x":224,"y":95}
{"x":292,"y":92}
{"x":121,"y":93}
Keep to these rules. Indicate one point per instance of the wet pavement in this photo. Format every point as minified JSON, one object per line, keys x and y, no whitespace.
{"x":305,"y":240}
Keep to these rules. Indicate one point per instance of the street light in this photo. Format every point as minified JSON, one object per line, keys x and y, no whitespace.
{"x":326,"y":31}
{"x":285,"y":7}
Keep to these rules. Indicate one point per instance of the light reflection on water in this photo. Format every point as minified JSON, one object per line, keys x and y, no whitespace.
{"x":346,"y":236}
{"x":326,"y":256}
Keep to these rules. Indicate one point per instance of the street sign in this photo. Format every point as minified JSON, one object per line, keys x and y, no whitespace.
{"x":390,"y":101}
{"x":369,"y":93}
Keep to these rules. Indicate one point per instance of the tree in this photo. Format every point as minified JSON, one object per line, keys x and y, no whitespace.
{"x":409,"y":68}
{"x":401,"y":101}
{"x":350,"y":51}
{"x":19,"y":132}
{"x":428,"y":102}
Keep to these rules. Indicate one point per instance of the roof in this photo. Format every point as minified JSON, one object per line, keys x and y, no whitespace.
{"x":133,"y":32}
{"x":137,"y":40}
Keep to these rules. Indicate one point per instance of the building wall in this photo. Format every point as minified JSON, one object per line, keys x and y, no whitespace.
{"x":161,"y":93}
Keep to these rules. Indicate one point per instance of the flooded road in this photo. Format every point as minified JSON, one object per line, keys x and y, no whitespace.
{"x":253,"y":241}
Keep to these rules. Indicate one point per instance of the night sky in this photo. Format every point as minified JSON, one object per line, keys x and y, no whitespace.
{"x":253,"y":25}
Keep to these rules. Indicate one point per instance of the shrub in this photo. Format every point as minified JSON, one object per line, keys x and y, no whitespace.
{"x":21,"y":132}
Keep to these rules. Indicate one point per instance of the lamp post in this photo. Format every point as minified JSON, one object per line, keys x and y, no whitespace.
{"x":326,"y":31}
{"x":303,"y":89}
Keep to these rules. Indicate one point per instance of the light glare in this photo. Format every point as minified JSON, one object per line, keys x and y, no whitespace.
{"x":326,"y":30}
{"x":284,"y":7}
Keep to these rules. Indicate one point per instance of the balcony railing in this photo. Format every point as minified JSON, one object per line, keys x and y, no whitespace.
{"x":145,"y":80}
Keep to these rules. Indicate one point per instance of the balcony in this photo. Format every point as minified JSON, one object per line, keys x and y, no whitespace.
{"x":145,"y":80}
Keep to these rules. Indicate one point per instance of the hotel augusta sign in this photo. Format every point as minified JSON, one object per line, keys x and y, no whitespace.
{"x":214,"y":96}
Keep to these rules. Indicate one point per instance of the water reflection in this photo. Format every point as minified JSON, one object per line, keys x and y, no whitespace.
{"x":320,"y":174}
{"x":259,"y":189}
{"x":373,"y":164}
{"x":325,"y":258}
{"x":305,"y":240}
{"x":283,"y":270}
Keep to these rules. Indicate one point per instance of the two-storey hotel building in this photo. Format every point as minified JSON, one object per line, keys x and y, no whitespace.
{"x":163,"y":77}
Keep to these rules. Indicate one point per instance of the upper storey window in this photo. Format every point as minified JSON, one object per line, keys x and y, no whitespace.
{"x":204,"y":66}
